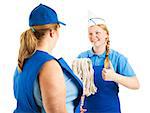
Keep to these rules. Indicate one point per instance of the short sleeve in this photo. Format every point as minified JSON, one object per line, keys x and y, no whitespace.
{"x":79,"y":56}
{"x":124,"y":68}
{"x":83,"y":55}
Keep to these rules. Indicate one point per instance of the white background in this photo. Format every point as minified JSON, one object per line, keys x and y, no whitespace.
{"x":128,"y":22}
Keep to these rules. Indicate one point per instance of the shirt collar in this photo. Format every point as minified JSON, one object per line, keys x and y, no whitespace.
{"x":91,"y":54}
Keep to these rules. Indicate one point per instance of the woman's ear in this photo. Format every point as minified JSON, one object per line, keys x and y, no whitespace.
{"x":106,"y":37}
{"x":51,"y":33}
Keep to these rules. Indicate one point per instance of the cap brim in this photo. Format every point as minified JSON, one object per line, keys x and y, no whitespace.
{"x":95,"y":21}
{"x":91,"y":23}
{"x":61,"y":23}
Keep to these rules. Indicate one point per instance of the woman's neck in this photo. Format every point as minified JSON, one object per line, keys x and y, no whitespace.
{"x":99,"y":50}
{"x":44,"y":47}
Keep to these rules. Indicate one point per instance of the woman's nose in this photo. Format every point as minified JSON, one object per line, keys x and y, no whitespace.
{"x":94,"y":35}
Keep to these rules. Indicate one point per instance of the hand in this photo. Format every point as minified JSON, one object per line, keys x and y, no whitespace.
{"x":109,"y":74}
{"x":82,"y":110}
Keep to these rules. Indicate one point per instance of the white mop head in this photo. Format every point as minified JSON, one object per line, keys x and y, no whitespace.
{"x":83,"y":68}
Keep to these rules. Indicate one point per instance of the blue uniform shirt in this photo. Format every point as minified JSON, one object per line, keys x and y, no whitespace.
{"x":119,"y":62}
{"x":26,"y":85}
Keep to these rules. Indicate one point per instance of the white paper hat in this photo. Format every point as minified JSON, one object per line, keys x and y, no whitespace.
{"x":94,"y":20}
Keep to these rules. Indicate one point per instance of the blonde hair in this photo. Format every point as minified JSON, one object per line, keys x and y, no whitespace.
{"x":106,"y":62}
{"x":29,"y":40}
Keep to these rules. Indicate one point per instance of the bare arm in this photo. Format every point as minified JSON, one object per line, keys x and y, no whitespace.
{"x":129,"y":82}
{"x":52,"y":86}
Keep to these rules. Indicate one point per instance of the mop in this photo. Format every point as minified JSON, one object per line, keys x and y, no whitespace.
{"x":83,"y":69}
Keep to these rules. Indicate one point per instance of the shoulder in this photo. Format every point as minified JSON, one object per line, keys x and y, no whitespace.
{"x":51,"y":67}
{"x":117,"y":55}
{"x":84,"y":54}
{"x":39,"y":58}
{"x":41,"y":55}
{"x":117,"y":58}
{"x":51,"y":73}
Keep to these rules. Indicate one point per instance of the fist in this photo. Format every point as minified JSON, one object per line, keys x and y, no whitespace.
{"x":108,"y":74}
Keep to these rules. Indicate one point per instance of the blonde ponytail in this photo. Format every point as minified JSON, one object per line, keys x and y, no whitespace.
{"x":28,"y":43}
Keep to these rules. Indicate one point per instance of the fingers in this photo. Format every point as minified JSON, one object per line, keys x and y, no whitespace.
{"x":103,"y":76}
{"x":83,"y":110}
{"x":104,"y":71}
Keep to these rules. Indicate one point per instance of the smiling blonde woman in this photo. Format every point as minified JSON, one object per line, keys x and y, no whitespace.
{"x":110,"y":69}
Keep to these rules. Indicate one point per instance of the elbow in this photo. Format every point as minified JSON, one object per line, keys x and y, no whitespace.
{"x":136,"y":85}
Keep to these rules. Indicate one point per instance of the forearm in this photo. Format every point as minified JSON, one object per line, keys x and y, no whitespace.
{"x":129,"y":82}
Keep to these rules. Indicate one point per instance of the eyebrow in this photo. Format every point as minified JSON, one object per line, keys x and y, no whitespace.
{"x":98,"y":31}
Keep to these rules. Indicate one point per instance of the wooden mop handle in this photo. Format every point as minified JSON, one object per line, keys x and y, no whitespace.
{"x":82,"y":102}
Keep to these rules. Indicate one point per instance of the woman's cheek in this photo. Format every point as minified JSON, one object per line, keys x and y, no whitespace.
{"x":90,"y":39}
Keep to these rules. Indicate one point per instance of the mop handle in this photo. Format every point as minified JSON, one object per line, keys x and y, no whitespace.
{"x":82,"y":101}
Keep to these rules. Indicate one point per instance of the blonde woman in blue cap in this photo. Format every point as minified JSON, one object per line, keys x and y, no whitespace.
{"x":42,"y":83}
{"x":110,"y":69}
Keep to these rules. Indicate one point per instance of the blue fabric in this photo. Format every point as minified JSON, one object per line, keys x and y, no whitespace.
{"x":42,"y":15}
{"x":119,"y":62}
{"x":24,"y":82}
{"x":106,"y":99}
{"x":67,"y":70}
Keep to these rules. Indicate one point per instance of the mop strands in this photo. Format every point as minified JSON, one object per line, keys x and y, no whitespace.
{"x":83,"y":68}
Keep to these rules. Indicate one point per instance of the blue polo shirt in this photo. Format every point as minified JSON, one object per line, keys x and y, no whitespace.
{"x":120,"y":62}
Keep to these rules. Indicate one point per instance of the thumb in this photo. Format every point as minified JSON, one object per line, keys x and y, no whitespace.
{"x":111,"y":66}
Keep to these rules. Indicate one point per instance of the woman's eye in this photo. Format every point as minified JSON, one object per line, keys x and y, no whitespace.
{"x":97,"y":32}
{"x":90,"y":33}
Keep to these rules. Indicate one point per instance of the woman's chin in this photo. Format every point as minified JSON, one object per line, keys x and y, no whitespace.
{"x":96,"y":44}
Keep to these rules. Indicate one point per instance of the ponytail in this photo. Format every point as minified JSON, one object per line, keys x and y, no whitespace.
{"x":28,"y":43}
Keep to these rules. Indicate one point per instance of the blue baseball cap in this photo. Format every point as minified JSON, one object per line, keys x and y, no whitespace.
{"x":42,"y":15}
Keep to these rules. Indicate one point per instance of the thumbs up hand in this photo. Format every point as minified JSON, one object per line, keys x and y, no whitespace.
{"x":109,"y":74}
